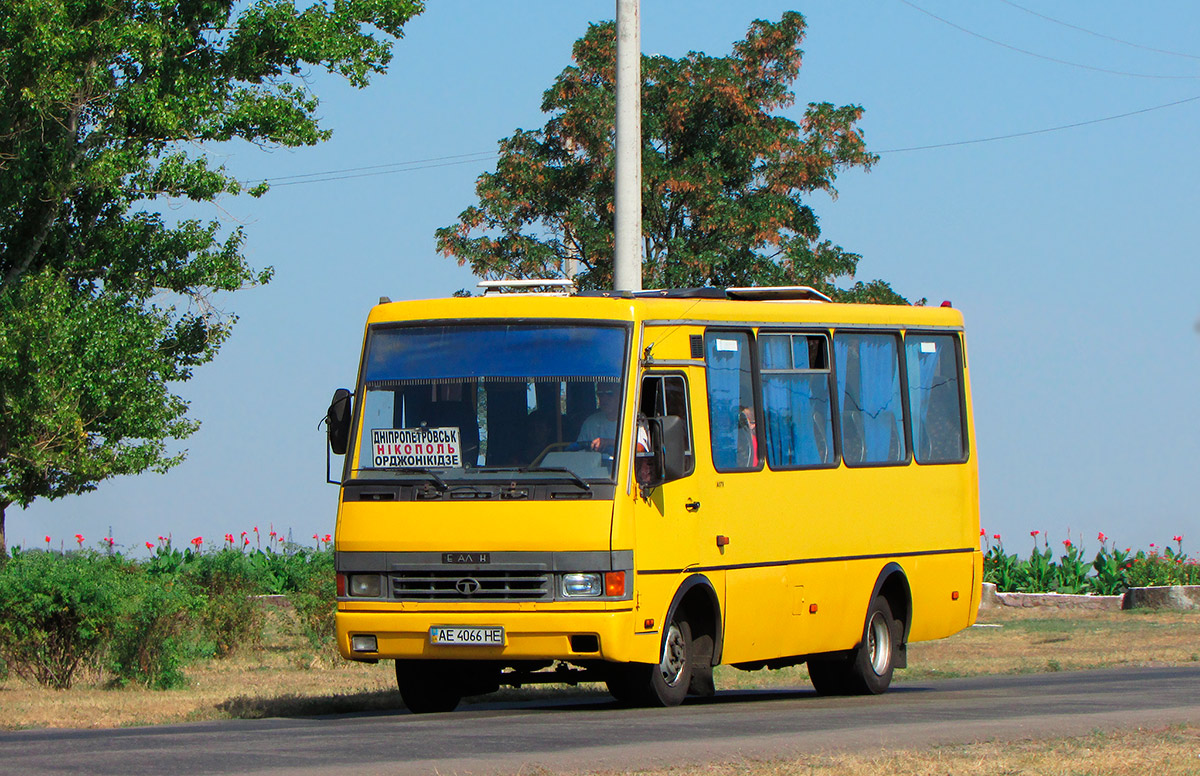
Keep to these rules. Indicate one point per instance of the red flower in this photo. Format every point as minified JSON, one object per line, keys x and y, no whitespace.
{"x":47,"y":540}
{"x":1177,"y":538}
{"x":1034,"y":534}
{"x":1151,"y":544}
{"x":1067,"y":543}
{"x":327,"y":538}
{"x":243,"y":533}
{"x":198,"y":541}
{"x":245,"y":540}
{"x":316,"y":537}
{"x":982,"y":532}
{"x":996,"y":536}
{"x":79,"y":538}
{"x":149,"y":545}
{"x":1102,"y":537}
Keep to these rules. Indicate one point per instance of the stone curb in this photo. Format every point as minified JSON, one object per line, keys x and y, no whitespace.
{"x":1181,"y":597}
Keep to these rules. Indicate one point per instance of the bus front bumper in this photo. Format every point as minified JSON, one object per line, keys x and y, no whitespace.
{"x":528,"y":635}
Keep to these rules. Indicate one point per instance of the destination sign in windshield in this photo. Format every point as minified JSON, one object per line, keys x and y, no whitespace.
{"x":417,"y":448}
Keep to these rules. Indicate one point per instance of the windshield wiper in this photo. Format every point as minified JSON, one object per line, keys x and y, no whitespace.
{"x":435,"y":480}
{"x":531,"y":469}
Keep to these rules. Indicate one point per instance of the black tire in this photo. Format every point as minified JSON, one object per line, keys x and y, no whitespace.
{"x":873,"y":662}
{"x":868,"y":669}
{"x":702,"y":684}
{"x":427,"y":686}
{"x":662,"y":684}
{"x":830,"y":676}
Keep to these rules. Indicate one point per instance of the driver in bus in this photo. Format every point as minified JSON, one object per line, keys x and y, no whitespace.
{"x":599,"y":430}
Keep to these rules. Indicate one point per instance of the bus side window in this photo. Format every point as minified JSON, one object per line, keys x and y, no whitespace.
{"x":664,"y":395}
{"x":797,"y":409}
{"x":732,"y":408}
{"x":869,"y":400}
{"x":935,"y":397}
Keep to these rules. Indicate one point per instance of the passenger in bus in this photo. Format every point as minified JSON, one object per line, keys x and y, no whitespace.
{"x":747,"y":438}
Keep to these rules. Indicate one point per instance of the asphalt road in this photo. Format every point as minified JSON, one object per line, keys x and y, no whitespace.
{"x":588,"y":734}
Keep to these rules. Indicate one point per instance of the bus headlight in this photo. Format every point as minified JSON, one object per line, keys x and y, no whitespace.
{"x":579,"y":585}
{"x":365,"y":585}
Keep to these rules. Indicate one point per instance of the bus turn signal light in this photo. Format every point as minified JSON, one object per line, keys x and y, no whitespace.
{"x":614,"y":584}
{"x":954,"y":596}
{"x":812,"y":608}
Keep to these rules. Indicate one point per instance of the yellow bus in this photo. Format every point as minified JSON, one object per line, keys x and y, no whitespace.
{"x":635,"y":488}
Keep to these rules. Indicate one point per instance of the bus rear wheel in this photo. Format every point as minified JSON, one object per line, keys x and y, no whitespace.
{"x":427,"y":686}
{"x":665,"y":684}
{"x":868,"y":669}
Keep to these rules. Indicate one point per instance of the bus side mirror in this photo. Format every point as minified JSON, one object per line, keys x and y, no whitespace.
{"x":337,"y":421}
{"x":668,"y":443}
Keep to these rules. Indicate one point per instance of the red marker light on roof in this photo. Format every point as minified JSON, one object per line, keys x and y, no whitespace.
{"x":947,"y":303}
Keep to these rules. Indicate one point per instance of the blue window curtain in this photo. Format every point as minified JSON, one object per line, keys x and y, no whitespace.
{"x":868,"y":369}
{"x":795,"y":406}
{"x":727,"y":359}
{"x":934,"y":398}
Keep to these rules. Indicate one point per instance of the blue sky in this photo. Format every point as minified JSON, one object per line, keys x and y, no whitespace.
{"x":1071,"y":253}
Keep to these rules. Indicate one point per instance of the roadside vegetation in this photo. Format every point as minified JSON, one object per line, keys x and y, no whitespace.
{"x":1111,"y":572}
{"x":116,"y":621}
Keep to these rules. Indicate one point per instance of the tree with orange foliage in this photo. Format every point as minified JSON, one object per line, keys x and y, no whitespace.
{"x":724,"y":175}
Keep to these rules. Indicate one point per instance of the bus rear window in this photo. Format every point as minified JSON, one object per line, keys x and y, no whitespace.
{"x":935,"y":398}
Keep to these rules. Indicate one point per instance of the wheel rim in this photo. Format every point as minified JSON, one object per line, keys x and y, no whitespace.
{"x":674,"y":656}
{"x":879,"y":644}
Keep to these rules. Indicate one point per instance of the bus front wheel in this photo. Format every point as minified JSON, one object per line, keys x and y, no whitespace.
{"x":427,"y":686}
{"x":868,"y":669}
{"x":663,"y":684}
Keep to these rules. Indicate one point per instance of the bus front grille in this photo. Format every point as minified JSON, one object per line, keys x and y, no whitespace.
{"x":459,"y":586}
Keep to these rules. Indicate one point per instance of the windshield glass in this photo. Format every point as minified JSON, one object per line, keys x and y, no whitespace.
{"x":491,"y":401}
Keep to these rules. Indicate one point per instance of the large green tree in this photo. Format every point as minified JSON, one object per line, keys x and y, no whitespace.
{"x":725,"y":175}
{"x":106,"y":107}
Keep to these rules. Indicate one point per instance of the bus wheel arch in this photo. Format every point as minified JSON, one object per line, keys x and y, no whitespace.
{"x":892,"y":584}
{"x":696,"y":602}
{"x":691,"y":635}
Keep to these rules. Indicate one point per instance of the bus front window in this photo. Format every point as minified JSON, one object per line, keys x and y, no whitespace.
{"x":469,"y":399}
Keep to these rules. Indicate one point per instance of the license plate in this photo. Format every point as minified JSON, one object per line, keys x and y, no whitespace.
{"x":487,"y":636}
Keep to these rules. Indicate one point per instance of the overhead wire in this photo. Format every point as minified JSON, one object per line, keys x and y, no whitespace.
{"x":1042,"y":131}
{"x":1099,"y":34}
{"x":483,"y":156}
{"x":377,"y":169}
{"x":1045,"y":57}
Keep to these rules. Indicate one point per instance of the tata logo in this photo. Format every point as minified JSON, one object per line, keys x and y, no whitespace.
{"x":467,"y":586}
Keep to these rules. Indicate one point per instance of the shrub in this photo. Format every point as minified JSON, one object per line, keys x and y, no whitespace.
{"x":313,"y":597}
{"x":229,"y":617}
{"x":153,"y":638}
{"x":58,"y":612}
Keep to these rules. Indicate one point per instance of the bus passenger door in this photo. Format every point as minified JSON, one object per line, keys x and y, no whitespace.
{"x":674,"y":533}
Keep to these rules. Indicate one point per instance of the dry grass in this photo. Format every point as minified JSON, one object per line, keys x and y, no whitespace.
{"x":1173,"y":751}
{"x":283,"y":677}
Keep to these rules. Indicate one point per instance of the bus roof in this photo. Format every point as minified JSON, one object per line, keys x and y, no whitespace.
{"x":664,"y":307}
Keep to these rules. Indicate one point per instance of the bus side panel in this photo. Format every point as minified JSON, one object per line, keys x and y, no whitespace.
{"x":942,"y":595}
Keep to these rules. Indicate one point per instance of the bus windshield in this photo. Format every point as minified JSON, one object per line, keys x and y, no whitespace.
{"x":495,"y":401}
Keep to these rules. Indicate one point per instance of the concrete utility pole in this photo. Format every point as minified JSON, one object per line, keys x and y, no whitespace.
{"x":627,"y":261}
